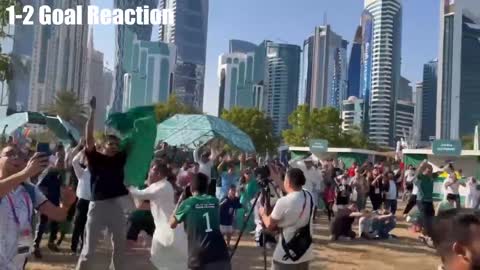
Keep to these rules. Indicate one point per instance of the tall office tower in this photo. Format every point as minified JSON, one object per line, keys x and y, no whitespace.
{"x":124,"y":44}
{"x":417,"y":121}
{"x":189,"y":34}
{"x":404,"y":120}
{"x":236,"y":69}
{"x":381,"y":61}
{"x":241,"y":46}
{"x":458,"y":91}
{"x":429,"y":101}
{"x":305,"y":86}
{"x":95,"y":82}
{"x":352,"y":113}
{"x":405,"y":91}
{"x":235,"y":74}
{"x":354,"y":66}
{"x":21,"y":55}
{"x":151,"y":65}
{"x":59,"y":58}
{"x":281,"y":70}
{"x":329,"y":69}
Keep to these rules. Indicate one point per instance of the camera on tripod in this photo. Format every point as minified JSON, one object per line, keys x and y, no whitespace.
{"x":263,"y":176}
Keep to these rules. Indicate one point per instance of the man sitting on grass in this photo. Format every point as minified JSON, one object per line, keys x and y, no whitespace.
{"x":377,"y":225}
{"x":342,"y":223}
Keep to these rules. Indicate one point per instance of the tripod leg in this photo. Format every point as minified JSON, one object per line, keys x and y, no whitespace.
{"x":245,"y":223}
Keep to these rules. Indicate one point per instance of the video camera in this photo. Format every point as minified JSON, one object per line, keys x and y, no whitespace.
{"x":263,"y":175}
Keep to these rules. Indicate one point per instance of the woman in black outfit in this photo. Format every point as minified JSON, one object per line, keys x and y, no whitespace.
{"x":375,"y":193}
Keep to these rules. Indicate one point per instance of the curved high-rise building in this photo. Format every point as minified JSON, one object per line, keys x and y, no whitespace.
{"x":382,"y":27}
{"x":123,"y":44}
{"x":354,"y":65}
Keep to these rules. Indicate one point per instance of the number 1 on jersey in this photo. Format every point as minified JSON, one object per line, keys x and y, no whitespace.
{"x":207,"y":217}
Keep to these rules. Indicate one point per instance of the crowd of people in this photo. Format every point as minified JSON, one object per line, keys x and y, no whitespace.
{"x":210,"y":193}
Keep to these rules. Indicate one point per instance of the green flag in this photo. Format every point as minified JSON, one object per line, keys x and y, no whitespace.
{"x":139,"y":128}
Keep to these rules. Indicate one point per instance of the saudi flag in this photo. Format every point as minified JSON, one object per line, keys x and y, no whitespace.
{"x":138,"y":128}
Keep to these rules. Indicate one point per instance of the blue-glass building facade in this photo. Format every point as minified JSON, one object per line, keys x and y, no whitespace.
{"x":354,"y":66}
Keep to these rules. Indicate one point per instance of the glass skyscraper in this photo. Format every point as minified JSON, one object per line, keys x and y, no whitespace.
{"x":305,"y":87}
{"x":381,"y":61}
{"x":354,"y":66}
{"x":123,"y":44}
{"x":282,"y":70}
{"x":241,"y":46}
{"x":429,"y":101}
{"x":458,"y":73}
{"x":329,"y":69}
{"x":189,"y":34}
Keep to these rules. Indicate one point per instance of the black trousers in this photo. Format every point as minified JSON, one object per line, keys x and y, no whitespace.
{"x":376,"y":200}
{"x":42,"y":228}
{"x":427,"y":213}
{"x":79,"y":222}
{"x":411,"y":203}
{"x":138,"y":223}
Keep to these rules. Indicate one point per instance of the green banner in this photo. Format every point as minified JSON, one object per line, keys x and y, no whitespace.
{"x":318,"y":146}
{"x":447,"y":148}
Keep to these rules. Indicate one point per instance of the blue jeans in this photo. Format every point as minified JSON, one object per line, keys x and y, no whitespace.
{"x":391,"y":205}
{"x":361,"y":201}
{"x":384,"y":227}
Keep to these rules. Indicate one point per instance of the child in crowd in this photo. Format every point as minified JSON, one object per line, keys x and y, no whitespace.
{"x":227,"y":212}
{"x":329,"y":198}
{"x":344,"y":190}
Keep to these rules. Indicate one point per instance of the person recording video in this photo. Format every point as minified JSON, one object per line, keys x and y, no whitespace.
{"x":292,"y":214}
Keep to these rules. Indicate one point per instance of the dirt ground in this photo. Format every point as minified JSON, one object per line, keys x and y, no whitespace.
{"x":406,"y":252}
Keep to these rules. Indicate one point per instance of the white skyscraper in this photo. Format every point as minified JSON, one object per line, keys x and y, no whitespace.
{"x":235,"y":80}
{"x":328,"y":78}
{"x":94,"y":82}
{"x":59,"y":58}
{"x":381,"y":61}
{"x":458,"y":87}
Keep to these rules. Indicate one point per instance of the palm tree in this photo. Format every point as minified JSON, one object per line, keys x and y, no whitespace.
{"x":67,"y":105}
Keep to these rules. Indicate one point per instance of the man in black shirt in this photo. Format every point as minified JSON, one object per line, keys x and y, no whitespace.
{"x":108,"y":193}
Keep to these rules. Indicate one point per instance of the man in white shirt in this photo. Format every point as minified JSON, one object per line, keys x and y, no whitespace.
{"x":169,"y":246}
{"x":18,"y":199}
{"x":205,"y":161}
{"x":290,"y":213}
{"x":313,"y":177}
{"x":84,"y":195}
{"x":452,"y":186}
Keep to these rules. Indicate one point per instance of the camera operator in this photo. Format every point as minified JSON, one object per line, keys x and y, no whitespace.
{"x":292,"y":214}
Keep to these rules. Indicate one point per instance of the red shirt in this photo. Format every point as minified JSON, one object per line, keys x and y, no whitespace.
{"x":351,"y":171}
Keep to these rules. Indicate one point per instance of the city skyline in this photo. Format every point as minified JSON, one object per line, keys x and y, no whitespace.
{"x":238,"y":21}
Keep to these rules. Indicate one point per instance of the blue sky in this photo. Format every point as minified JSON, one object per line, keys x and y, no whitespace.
{"x":292,"y":21}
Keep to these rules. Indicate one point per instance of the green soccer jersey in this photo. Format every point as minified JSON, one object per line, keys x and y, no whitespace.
{"x":202,"y":222}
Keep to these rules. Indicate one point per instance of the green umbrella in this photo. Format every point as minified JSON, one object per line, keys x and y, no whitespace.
{"x":61,"y":128}
{"x":195,"y":130}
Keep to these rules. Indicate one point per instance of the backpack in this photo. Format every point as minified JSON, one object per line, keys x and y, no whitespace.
{"x":302,"y":238}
